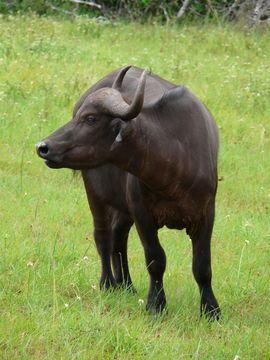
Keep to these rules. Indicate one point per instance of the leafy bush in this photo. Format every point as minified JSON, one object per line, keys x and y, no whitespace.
{"x":146,"y":10}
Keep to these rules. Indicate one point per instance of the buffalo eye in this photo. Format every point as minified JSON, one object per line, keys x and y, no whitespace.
{"x":90,"y":119}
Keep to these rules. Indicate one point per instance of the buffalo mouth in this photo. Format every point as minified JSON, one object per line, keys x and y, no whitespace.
{"x":52,"y":164}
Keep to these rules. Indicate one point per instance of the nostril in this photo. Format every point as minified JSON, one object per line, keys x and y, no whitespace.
{"x":42,"y":148}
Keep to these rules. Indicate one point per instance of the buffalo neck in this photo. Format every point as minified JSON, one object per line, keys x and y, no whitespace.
{"x":146,"y":153}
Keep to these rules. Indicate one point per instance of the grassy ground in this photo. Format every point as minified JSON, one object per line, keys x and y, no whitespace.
{"x":51,"y":307}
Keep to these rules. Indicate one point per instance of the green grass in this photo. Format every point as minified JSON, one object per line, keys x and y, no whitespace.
{"x":50,"y":305}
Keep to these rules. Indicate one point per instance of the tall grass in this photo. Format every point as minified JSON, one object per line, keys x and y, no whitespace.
{"x":51,"y":307}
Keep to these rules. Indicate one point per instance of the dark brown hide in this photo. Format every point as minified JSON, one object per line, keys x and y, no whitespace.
{"x":156,"y":167}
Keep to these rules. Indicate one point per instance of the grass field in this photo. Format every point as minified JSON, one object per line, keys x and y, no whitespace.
{"x":51,"y":307}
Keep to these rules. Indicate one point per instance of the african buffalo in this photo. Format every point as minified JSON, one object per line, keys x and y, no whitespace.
{"x":147,"y":150}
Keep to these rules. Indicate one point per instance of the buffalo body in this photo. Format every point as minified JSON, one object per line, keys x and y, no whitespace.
{"x":147,"y":150}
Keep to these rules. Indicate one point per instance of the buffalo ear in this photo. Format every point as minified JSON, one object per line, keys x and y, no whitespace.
{"x":116,"y":125}
{"x":122,"y":129}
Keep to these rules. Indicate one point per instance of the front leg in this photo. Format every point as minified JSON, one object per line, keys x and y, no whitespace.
{"x":156,"y":264}
{"x":155,"y":261}
{"x":103,"y":244}
{"x":120,"y":228}
{"x":102,"y":228}
{"x":154,"y":254}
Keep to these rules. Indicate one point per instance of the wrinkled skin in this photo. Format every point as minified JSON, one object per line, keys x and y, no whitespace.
{"x":157,"y":168}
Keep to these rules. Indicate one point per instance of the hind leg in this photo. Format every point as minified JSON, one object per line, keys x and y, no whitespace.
{"x":201,"y":265}
{"x":121,"y":225}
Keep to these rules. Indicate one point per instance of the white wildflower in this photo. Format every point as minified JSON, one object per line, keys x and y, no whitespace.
{"x":247,"y":223}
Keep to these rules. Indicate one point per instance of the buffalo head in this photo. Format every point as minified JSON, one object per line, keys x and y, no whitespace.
{"x":86,"y":141}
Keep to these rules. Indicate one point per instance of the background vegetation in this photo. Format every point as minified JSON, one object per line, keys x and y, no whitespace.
{"x":51,"y":307}
{"x":251,"y":12}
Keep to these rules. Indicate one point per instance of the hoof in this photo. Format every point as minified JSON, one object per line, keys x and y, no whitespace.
{"x":156,"y":307}
{"x":127,"y":287}
{"x":211,"y":313}
{"x":209,"y":305}
{"x":107,"y":284}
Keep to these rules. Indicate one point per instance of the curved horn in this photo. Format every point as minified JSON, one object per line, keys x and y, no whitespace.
{"x":128,"y":112}
{"x":119,"y":78}
{"x":111,"y":101}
